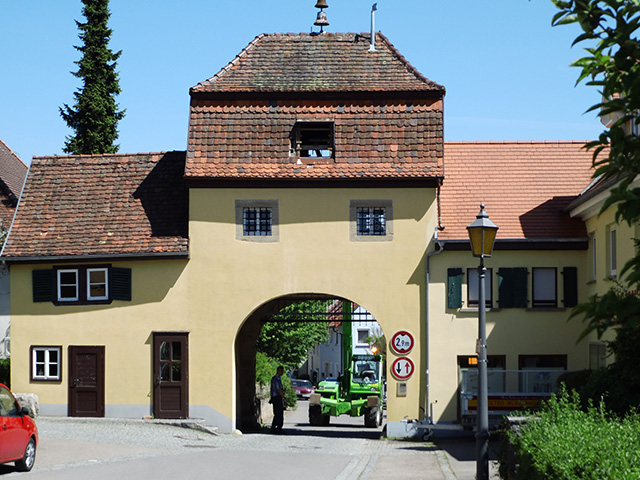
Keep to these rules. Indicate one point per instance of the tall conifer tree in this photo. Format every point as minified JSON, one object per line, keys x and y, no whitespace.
{"x":95,"y":115}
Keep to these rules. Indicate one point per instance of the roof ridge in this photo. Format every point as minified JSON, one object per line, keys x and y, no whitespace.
{"x":235,"y":60}
{"x":14,"y":154}
{"x":515,"y":142}
{"x":100,"y":155}
{"x":406,"y":62}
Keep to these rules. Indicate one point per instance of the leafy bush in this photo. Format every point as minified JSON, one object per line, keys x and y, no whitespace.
{"x":5,"y":371}
{"x":266,"y":369}
{"x":564,"y":442}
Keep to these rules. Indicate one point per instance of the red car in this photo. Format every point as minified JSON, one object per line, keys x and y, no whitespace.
{"x":303,"y":388}
{"x":19,"y":434}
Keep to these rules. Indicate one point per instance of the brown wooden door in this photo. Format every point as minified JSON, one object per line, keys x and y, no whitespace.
{"x":86,"y":381}
{"x":170,"y":375}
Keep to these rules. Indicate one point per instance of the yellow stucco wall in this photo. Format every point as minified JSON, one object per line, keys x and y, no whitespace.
{"x":230,"y":278}
{"x":510,"y":331}
{"x":159,"y":303}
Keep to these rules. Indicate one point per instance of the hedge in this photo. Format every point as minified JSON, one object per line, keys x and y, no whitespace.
{"x":564,"y":442}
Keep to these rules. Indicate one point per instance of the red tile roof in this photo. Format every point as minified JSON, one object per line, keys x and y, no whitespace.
{"x":387,"y":117}
{"x":524,"y":186}
{"x":13,"y":172}
{"x":102,"y":205}
{"x":328,"y":62}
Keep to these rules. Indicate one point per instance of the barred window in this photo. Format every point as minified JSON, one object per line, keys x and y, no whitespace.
{"x":257,"y":222}
{"x":371,"y":221}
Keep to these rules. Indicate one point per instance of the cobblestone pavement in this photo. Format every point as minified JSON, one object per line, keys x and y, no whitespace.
{"x":108,"y":448}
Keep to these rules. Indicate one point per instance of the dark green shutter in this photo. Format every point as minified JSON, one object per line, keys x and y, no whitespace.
{"x":43,"y":285}
{"x":120,"y":283}
{"x":454,"y":287}
{"x":570,"y":275}
{"x":512,"y":287}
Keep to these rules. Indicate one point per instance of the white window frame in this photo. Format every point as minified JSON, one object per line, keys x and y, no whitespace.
{"x":472,"y":288}
{"x":613,"y":261}
{"x":106,"y":284}
{"x":47,"y":363}
{"x":368,"y":334}
{"x":59,"y":285}
{"x":537,"y":302}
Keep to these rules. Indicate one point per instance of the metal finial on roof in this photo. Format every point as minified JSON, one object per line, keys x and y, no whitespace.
{"x":321,"y":19}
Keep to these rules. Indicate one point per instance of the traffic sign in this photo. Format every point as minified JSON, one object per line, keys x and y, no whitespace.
{"x":402,"y":342}
{"x":402,"y":368}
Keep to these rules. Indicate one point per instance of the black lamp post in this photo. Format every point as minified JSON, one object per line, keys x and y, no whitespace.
{"x":482,"y":233}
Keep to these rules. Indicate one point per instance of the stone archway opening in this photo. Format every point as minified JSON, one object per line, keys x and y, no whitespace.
{"x":248,"y":405}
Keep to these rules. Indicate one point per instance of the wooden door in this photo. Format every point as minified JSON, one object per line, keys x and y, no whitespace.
{"x":86,"y":381}
{"x":170,"y":375}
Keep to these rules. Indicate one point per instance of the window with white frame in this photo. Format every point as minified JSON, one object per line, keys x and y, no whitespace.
{"x":473,"y":284}
{"x":363,"y":335}
{"x":545,"y":291}
{"x":613,"y":262}
{"x":82,"y":284}
{"x":46,"y":363}
{"x":371,"y":220}
{"x":97,"y":284}
{"x":68,"y":286}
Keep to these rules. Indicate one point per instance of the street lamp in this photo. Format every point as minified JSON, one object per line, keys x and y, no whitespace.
{"x":482,"y":233}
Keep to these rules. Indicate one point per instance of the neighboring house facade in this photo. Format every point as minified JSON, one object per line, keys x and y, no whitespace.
{"x":13,"y":173}
{"x":140,"y":282}
{"x":536,"y":274}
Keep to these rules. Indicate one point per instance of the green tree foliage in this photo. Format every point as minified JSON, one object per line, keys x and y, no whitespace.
{"x":95,"y":115}
{"x":564,"y":442}
{"x":612,"y":64}
{"x":294,"y":332}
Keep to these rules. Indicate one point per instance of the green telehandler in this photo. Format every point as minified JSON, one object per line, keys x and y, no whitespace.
{"x":358,"y":392}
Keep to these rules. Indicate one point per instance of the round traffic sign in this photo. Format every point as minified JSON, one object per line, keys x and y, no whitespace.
{"x":402,"y":342}
{"x":402,"y":368}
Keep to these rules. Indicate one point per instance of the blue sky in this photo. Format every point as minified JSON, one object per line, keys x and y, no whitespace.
{"x":506,"y":70}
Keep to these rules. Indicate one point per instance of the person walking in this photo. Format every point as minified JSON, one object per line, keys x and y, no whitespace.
{"x":277,"y":400}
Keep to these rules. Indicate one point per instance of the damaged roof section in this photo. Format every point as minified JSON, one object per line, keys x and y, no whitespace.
{"x":87,"y":206}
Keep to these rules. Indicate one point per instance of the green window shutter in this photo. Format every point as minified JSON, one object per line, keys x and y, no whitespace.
{"x":570,"y":290}
{"x":43,"y":285}
{"x":512,"y":287}
{"x":454,"y":287}
{"x":120,"y":283}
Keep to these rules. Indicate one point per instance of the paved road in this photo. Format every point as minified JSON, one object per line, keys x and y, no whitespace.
{"x":125,"y":449}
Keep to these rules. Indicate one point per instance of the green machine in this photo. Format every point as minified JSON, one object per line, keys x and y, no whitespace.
{"x":357,"y":392}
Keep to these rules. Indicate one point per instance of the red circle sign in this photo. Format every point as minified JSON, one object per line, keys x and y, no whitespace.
{"x":402,"y":368}
{"x":402,"y":342}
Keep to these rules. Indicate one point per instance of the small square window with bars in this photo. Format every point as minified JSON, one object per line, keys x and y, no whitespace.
{"x":257,"y":222}
{"x":371,"y":221}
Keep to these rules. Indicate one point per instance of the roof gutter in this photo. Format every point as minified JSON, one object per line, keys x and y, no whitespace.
{"x":93,"y":258}
{"x":505,"y":244}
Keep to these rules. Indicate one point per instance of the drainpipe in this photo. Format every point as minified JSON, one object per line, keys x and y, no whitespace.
{"x":439,"y":249}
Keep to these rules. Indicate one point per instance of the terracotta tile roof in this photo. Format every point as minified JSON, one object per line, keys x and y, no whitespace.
{"x":252,"y":138}
{"x":328,"y":62}
{"x":13,"y":172}
{"x":524,"y":185}
{"x":395,"y":134}
{"x":102,"y":205}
